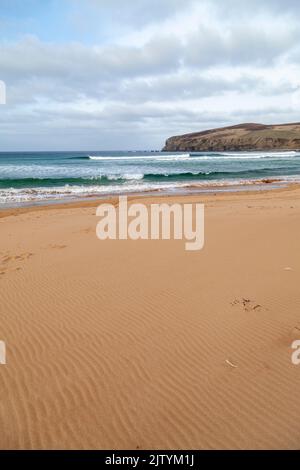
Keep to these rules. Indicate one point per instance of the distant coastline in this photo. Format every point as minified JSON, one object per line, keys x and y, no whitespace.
{"x":242,"y":137}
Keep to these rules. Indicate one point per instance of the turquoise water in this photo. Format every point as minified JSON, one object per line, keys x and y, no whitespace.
{"x":44,"y":176}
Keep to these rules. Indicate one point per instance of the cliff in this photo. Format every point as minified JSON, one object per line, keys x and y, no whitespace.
{"x":239,"y":137}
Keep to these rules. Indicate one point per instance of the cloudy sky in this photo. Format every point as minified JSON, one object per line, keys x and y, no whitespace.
{"x":115,"y":74}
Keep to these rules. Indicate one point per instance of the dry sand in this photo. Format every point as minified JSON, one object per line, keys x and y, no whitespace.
{"x":141,"y":344}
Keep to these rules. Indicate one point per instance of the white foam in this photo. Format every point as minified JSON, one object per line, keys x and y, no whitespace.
{"x":13,"y":195}
{"x":193,"y":158}
{"x":245,"y":156}
{"x":166,"y":157}
{"x":23,"y":195}
{"x":126,"y":176}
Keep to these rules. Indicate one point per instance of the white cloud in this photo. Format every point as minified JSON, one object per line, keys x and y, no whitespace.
{"x":186,"y":66}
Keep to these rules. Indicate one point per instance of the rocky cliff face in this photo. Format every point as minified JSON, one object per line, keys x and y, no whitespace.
{"x":240,"y":137}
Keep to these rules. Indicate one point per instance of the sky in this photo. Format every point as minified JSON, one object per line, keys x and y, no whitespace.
{"x":111,"y":75}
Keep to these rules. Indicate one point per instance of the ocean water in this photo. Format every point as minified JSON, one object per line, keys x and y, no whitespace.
{"x":35,"y":177}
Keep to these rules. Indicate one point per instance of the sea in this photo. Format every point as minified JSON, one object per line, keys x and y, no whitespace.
{"x":28,"y":178}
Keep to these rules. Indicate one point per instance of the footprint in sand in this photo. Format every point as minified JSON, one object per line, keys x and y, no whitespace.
{"x":247,"y":304}
{"x":8,"y":262}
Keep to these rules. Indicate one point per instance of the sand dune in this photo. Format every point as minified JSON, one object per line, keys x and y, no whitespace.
{"x":141,"y":344}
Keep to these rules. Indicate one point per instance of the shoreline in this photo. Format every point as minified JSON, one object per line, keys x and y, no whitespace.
{"x":94,"y":201}
{"x":68,"y":178}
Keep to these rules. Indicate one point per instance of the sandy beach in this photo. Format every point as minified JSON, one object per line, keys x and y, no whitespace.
{"x":143,"y":345}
